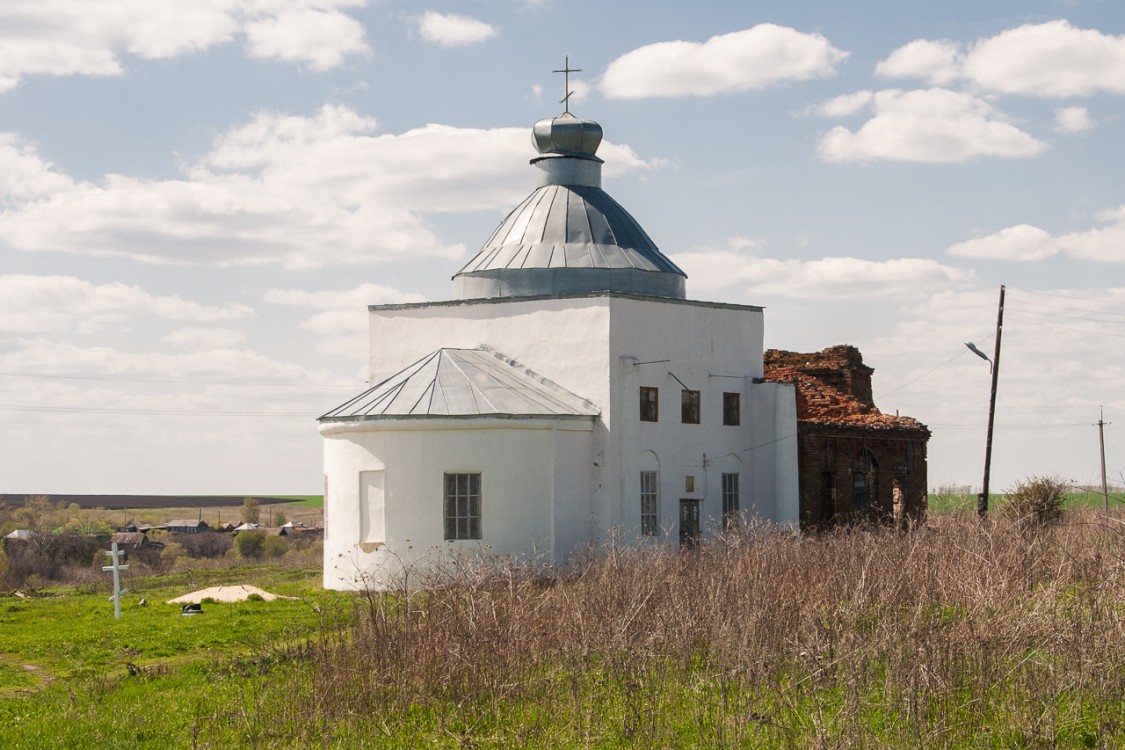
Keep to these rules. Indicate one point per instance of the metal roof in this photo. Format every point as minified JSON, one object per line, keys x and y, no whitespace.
{"x":464,"y":383}
{"x":570,"y":226}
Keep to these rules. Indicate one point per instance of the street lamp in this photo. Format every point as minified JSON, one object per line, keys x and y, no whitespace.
{"x":994,"y":363}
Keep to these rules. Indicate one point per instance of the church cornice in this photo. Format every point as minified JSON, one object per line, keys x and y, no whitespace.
{"x":571,"y":295}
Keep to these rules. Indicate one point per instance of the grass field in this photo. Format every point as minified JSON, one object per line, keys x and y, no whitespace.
{"x":307,"y":501}
{"x":71,"y":675}
{"x":966,"y":634}
{"x":954,"y":501}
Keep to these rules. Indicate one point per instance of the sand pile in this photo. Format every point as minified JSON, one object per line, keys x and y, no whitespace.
{"x":237,"y":593}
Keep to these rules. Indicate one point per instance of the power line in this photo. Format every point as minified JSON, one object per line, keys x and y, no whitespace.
{"x":1068,"y":296}
{"x":961,"y":353}
{"x":1071,"y":307}
{"x":1005,"y":406}
{"x":1068,"y":317}
{"x":1041,"y":425}
{"x":1071,"y":330}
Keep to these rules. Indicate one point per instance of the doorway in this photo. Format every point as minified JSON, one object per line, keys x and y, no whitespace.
{"x":689,"y":523}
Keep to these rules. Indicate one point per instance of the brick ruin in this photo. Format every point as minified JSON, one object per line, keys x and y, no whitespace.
{"x":848,"y":452}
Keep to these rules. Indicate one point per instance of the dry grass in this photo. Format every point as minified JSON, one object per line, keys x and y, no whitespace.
{"x":963,"y":634}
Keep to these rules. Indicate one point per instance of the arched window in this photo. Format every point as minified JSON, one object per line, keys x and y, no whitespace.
{"x":859,"y":491}
{"x":650,"y":494}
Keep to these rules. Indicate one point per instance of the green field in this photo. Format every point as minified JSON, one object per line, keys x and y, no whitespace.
{"x":73,"y":676}
{"x":306,"y":501}
{"x":964,"y":501}
{"x":964,"y":634}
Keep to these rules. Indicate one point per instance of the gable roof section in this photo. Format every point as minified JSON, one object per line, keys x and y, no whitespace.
{"x":464,"y":383}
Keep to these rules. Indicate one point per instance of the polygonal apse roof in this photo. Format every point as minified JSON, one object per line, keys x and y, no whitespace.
{"x":464,"y":383}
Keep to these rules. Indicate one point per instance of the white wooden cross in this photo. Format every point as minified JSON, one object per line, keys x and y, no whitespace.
{"x":117,"y":590}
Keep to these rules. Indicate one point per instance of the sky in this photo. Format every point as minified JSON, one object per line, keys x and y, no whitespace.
{"x":198,"y":201}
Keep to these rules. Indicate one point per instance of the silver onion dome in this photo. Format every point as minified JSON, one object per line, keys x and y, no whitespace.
{"x":569,"y":235}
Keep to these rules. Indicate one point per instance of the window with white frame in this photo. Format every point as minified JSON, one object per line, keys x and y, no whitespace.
{"x":650,"y":517}
{"x":462,"y":505}
{"x":730,"y":499}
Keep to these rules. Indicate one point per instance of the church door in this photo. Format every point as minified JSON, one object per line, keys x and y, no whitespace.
{"x":689,"y":523}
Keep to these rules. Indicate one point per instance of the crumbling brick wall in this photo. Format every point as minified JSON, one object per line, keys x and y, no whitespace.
{"x":849,"y":453}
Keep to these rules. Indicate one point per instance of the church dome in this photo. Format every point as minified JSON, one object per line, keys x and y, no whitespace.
{"x":569,"y":235}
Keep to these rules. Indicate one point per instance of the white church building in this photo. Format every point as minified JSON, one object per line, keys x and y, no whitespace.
{"x":570,"y":391}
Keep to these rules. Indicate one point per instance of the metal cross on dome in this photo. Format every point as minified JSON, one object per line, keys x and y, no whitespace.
{"x":566,"y":71}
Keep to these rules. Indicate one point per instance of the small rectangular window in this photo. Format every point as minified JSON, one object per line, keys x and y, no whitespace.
{"x":462,"y":506}
{"x":650,"y":518}
{"x":732,"y":408}
{"x":689,"y":407}
{"x":730,"y":500}
{"x":650,"y":404}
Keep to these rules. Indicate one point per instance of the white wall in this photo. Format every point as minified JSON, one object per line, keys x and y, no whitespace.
{"x":775,"y":457}
{"x":584,"y":343}
{"x":602,"y":347}
{"x":518,"y":461}
{"x":713,"y":349}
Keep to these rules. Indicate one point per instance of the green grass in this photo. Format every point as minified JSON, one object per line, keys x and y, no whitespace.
{"x":305,"y":501}
{"x":73,"y":676}
{"x":964,"y":636}
{"x":73,"y":635}
{"x":952,"y":502}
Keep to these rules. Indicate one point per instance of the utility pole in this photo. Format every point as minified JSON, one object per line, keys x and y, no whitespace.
{"x":1101,"y":447}
{"x":982,"y":498}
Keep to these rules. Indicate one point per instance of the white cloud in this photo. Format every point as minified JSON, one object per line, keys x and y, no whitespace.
{"x":579,"y":90}
{"x":37,"y":304}
{"x":937,"y":62}
{"x":823,"y":279}
{"x":196,"y":337}
{"x":749,"y":59}
{"x":1052,"y":59}
{"x":39,"y":355}
{"x":322,"y":38}
{"x":1023,"y":242}
{"x":451,"y":30}
{"x":930,"y":125}
{"x":1027,"y":243}
{"x":341,"y":323}
{"x":23,"y":175}
{"x":1057,"y":366}
{"x":846,"y":105}
{"x":1073,"y":120}
{"x":74,"y":37}
{"x":296,"y":191}
{"x":1049,"y":59}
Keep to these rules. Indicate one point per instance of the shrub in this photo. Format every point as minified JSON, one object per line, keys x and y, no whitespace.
{"x":1037,"y":501}
{"x":172,"y":552}
{"x":205,"y":544}
{"x":3,"y":565}
{"x":275,"y":546}
{"x":249,"y":544}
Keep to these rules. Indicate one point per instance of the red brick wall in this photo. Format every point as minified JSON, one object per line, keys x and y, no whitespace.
{"x":840,"y":452}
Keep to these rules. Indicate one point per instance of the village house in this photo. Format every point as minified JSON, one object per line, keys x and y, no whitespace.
{"x":850,"y":454}
{"x":568,"y":392}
